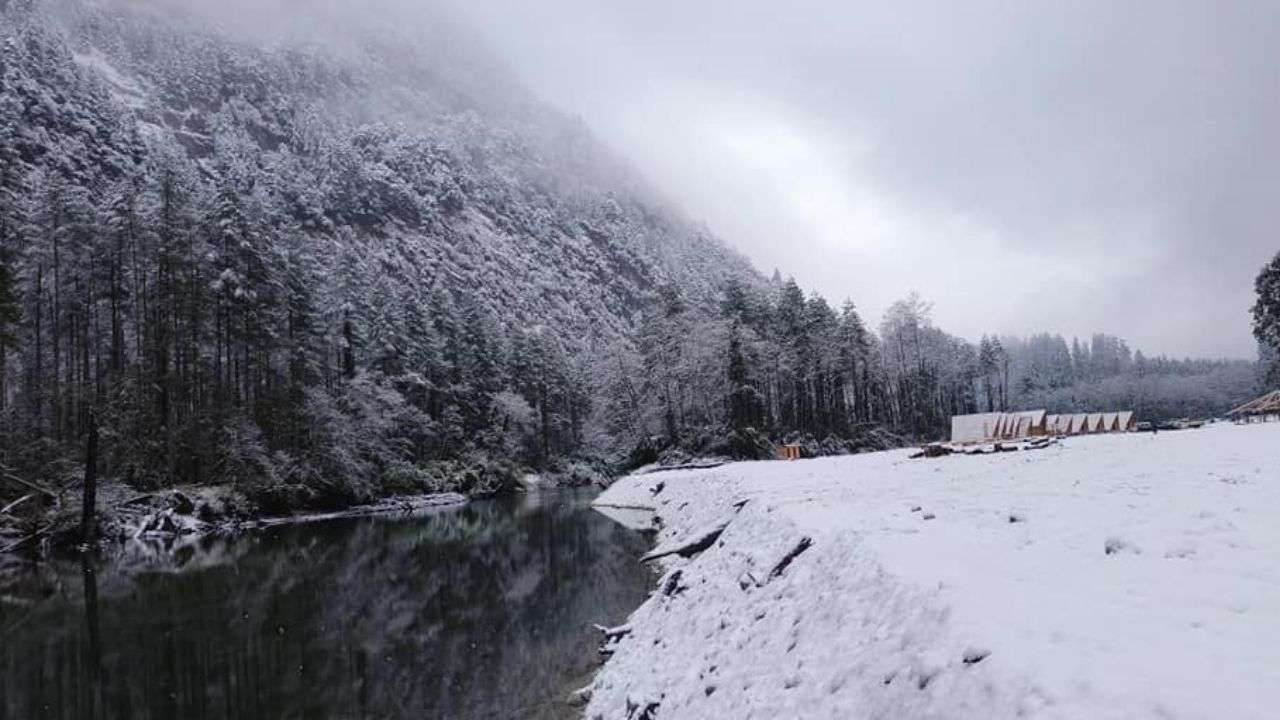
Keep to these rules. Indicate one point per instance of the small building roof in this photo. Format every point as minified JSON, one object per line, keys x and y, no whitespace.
{"x":1265,"y":405}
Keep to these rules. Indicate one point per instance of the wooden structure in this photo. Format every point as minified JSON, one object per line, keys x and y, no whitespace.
{"x":789,"y":452}
{"x":1265,"y":407}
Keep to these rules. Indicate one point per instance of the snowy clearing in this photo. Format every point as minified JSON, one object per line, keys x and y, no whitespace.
{"x":1124,"y":576}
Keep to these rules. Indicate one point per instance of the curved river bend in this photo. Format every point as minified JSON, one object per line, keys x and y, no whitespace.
{"x":482,"y":611}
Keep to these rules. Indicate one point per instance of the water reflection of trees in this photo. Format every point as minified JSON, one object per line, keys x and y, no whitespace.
{"x":482,"y":612}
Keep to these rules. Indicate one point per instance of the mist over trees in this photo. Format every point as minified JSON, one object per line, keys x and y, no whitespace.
{"x":206,"y":246}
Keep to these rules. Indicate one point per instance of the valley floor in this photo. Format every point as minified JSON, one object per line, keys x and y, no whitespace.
{"x":1122,"y":576}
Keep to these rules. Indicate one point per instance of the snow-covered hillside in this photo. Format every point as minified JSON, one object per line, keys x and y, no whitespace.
{"x":1124,"y":576}
{"x":420,"y":155}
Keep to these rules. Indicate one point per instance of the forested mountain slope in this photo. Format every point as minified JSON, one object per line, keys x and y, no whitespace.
{"x":366,"y":138}
{"x":334,"y":251}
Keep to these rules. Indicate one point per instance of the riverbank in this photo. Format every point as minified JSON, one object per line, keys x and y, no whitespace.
{"x":1107,"y":577}
{"x":166,"y":521}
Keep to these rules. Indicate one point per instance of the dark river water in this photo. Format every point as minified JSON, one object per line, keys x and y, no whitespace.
{"x":483,"y":611}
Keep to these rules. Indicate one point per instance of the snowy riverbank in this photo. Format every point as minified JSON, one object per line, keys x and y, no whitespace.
{"x":1123,"y":576}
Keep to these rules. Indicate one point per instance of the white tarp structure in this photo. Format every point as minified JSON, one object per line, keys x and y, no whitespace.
{"x":988,"y":427}
{"x":974,"y":428}
{"x":991,"y":427}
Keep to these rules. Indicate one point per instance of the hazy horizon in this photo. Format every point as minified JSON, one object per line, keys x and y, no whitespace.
{"x":1070,"y":170}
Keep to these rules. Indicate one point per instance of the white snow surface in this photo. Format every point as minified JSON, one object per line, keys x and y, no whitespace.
{"x":1112,"y":576}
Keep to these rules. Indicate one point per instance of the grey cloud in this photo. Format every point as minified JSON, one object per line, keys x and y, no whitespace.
{"x":1130,"y":139}
{"x":1068,"y":167}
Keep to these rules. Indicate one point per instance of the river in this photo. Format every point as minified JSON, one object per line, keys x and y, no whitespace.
{"x":480,"y":611}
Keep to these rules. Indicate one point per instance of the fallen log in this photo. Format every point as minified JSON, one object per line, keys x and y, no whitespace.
{"x":403,"y":505}
{"x":688,"y":547}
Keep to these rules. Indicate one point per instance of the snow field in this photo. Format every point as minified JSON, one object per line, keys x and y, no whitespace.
{"x":1124,"y":576}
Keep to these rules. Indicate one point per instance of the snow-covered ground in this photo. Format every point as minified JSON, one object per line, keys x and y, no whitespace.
{"x":1122,"y":576}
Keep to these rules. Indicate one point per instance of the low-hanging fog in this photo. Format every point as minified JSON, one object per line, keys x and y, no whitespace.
{"x":1068,"y":167}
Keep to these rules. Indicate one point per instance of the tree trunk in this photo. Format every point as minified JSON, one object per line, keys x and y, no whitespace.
{"x":89,"y":500}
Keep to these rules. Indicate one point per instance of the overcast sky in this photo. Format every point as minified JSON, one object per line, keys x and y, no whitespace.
{"x":1070,"y":166}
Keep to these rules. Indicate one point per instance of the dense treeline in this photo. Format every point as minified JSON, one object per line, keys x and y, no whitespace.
{"x":203,"y":328}
{"x":775,"y":364}
{"x":1044,"y":371}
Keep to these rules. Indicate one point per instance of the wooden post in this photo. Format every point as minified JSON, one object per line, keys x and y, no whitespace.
{"x":89,"y":500}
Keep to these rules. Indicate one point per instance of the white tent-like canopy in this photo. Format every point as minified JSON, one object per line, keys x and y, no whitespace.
{"x":994,"y":426}
{"x":988,"y":427}
{"x":1079,"y":423}
{"x":974,"y":428}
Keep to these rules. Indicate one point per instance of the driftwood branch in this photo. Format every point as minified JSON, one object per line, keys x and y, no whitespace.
{"x":403,"y":505}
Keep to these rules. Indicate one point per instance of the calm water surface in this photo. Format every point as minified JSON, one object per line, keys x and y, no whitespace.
{"x":477,"y":612}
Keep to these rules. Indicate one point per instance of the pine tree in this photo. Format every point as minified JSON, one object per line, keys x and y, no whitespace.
{"x":1266,"y":312}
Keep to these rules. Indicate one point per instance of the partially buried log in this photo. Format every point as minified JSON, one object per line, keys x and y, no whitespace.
{"x":688,"y":547}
